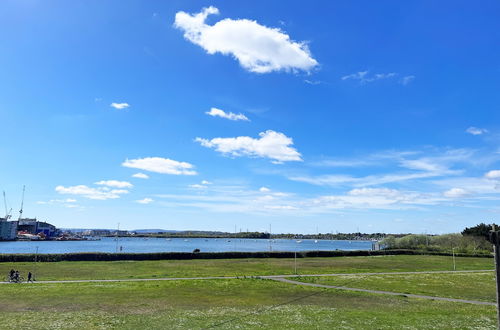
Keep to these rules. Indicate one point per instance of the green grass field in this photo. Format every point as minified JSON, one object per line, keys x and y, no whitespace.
{"x":471,"y":286}
{"x":248,"y":303}
{"x":226,"y":304}
{"x":72,"y":270}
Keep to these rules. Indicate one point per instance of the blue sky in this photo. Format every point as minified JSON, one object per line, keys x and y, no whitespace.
{"x":329,"y":116}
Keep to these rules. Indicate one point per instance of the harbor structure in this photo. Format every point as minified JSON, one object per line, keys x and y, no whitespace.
{"x":8,"y":229}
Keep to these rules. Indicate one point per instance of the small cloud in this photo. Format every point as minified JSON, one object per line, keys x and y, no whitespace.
{"x":363,"y":76}
{"x":312,"y":82}
{"x":456,"y":193}
{"x":119,"y":106}
{"x":270,"y":144}
{"x":257,"y":48}
{"x":114,"y":184}
{"x":264,"y":189}
{"x":206,"y":182}
{"x":406,"y":80}
{"x":214,"y":112}
{"x":161,"y":165}
{"x":145,"y":201}
{"x":476,"y":131}
{"x":493,"y":175}
{"x":140,"y":176}
{"x":197,"y":186}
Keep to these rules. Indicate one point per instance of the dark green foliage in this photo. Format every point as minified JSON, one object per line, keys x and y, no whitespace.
{"x":96,"y":256}
{"x":481,"y":230}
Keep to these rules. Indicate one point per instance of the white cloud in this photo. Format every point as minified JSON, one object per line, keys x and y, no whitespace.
{"x":120,"y":106}
{"x":145,"y":201}
{"x":114,"y":184}
{"x":493,"y":175}
{"x":197,"y":186}
{"x":364,"y":77}
{"x":257,"y":48}
{"x":140,"y":176}
{"x":406,"y":80}
{"x":205,"y":182}
{"x":264,"y":189}
{"x":101,"y":193}
{"x":476,"y":131}
{"x":214,"y":112}
{"x":271,"y":144}
{"x":161,"y":165}
{"x":58,"y":201}
{"x":456,"y":193}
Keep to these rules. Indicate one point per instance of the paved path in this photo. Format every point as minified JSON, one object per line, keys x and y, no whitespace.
{"x":382,"y":292}
{"x":256,"y":276}
{"x":386,"y":273}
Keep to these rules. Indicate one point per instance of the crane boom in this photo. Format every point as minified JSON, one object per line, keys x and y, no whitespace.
{"x":5,"y":203}
{"x":22,"y":204}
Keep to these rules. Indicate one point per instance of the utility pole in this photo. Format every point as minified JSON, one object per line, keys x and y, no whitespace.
{"x":453,"y":252}
{"x":36,"y":261}
{"x":295,"y":262}
{"x":495,"y":240}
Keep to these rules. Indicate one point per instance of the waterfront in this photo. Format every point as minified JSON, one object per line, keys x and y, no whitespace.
{"x":146,"y":245}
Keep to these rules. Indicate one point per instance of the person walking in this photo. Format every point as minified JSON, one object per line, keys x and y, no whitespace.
{"x":30,"y":277}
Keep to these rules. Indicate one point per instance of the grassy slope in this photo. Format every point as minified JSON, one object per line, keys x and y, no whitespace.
{"x":244,"y":303}
{"x":238,"y":267}
{"x":473,"y":286}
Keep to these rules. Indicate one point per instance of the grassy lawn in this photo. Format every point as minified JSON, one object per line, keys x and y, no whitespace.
{"x":472,"y":286}
{"x":226,"y":304}
{"x":70,"y":270}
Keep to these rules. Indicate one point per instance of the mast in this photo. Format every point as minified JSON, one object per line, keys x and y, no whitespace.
{"x":7,"y":212}
{"x":22,"y":204}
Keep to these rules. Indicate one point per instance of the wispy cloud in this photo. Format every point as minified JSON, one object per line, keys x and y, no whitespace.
{"x":140,"y":176}
{"x":273,"y":145}
{"x":114,"y":184}
{"x":214,"y":112}
{"x":145,"y":201}
{"x":476,"y":131}
{"x":406,"y":80}
{"x":364,"y":77}
{"x":100,"y":193}
{"x":257,"y":48}
{"x":161,"y":165}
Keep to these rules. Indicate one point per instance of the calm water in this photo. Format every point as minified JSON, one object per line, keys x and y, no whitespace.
{"x":143,"y":245}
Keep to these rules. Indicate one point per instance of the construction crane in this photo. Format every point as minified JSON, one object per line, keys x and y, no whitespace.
{"x":7,"y":213}
{"x":22,"y":204}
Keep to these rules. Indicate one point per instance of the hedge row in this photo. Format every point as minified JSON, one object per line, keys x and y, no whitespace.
{"x":97,"y":256}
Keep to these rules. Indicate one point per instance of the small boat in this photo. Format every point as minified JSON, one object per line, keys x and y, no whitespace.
{"x":299,"y":241}
{"x":315,"y":241}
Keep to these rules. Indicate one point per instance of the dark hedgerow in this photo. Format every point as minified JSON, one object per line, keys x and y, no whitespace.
{"x":98,"y":256}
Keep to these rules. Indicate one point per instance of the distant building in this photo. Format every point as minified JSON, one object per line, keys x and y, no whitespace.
{"x":96,"y":232}
{"x":8,"y":230}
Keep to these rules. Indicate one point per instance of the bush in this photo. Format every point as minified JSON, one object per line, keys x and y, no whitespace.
{"x":215,"y":255}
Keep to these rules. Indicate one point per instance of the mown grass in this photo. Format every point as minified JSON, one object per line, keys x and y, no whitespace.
{"x":471,"y":286}
{"x":226,"y":304}
{"x":74,"y":270}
